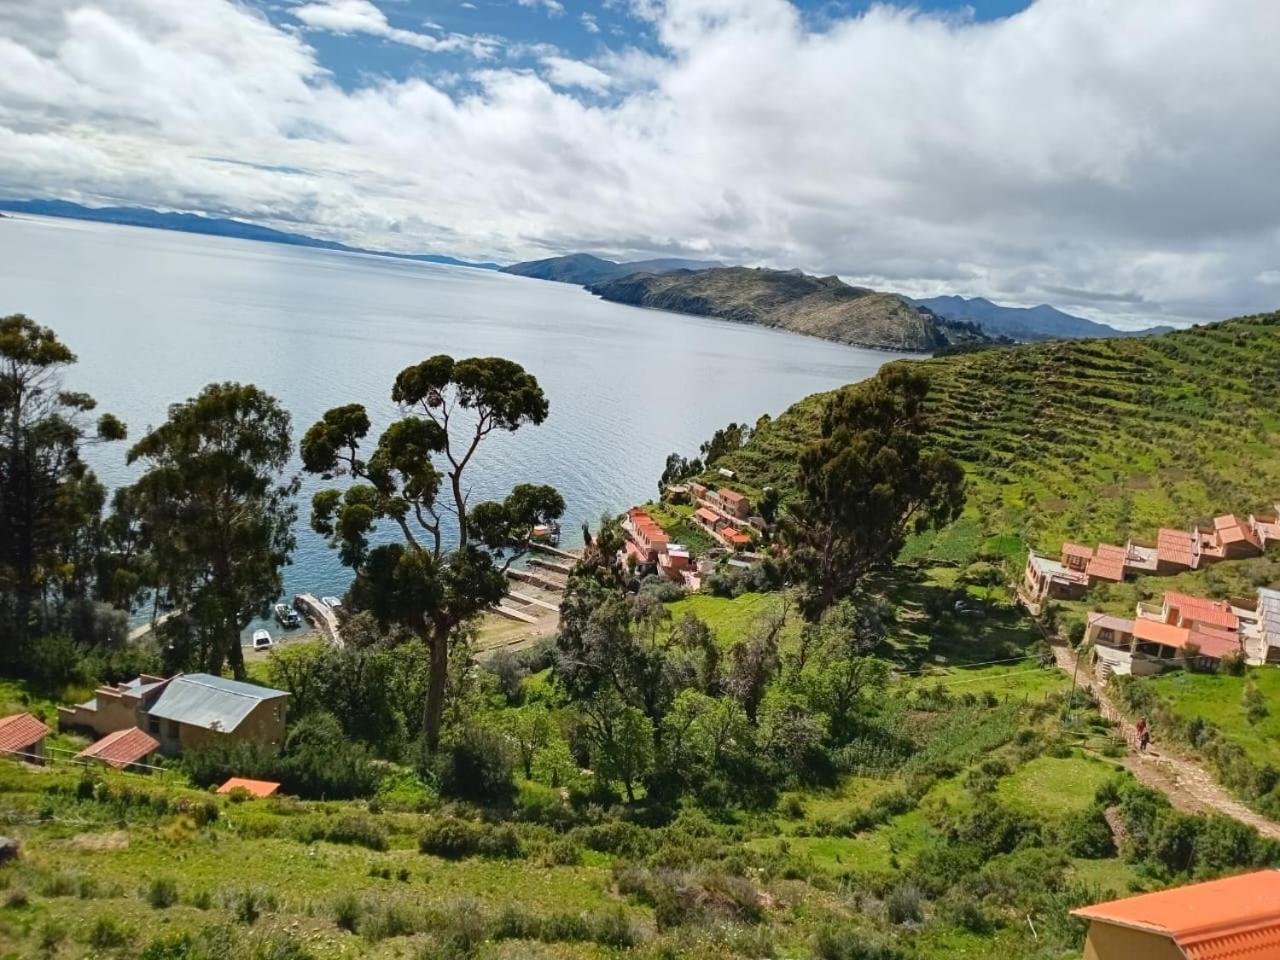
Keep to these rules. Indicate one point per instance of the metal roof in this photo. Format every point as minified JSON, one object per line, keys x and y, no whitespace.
{"x":215,"y":703}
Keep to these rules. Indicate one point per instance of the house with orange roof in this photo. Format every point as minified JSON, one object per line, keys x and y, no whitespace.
{"x":121,"y":749}
{"x":1176,"y":550}
{"x":1233,"y":538}
{"x":1076,"y":556}
{"x":255,"y":788}
{"x":1235,"y":918}
{"x":735,"y":538}
{"x":733,"y":503}
{"x":1045,"y":578}
{"x":1186,"y":610}
{"x":1107,"y":563}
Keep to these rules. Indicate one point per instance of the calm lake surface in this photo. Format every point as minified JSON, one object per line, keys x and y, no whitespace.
{"x":155,"y":315}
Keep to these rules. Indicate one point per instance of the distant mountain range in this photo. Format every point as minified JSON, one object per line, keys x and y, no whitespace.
{"x":212,"y":226}
{"x":1026,"y":323}
{"x":824,"y":307}
{"x":585,"y":269}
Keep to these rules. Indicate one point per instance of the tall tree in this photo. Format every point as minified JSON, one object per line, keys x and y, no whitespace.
{"x":215,"y":515}
{"x":869,"y":480}
{"x":449,"y":558}
{"x":48,"y":497}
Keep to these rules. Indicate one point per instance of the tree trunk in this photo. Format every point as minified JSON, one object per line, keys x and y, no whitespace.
{"x":235,"y":651}
{"x":437,"y":674}
{"x":631,"y":793}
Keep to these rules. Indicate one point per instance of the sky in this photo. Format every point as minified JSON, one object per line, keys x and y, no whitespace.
{"x":1115,"y":158}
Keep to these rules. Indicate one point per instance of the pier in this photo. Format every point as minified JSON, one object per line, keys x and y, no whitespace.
{"x":320,"y":615}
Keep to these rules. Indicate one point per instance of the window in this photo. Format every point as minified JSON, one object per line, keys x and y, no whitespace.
{"x":173,"y":729}
{"x":153,"y":725}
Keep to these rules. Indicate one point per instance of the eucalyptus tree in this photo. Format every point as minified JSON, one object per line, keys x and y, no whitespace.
{"x":445,"y":560}
{"x":214,"y":515}
{"x":870,"y":479}
{"x":49,"y":499}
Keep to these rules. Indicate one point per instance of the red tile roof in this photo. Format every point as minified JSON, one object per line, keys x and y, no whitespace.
{"x":1213,"y":642}
{"x":1076,"y":550}
{"x":1106,"y":568}
{"x":20,"y":732}
{"x":1236,"y":918}
{"x":1112,"y":552}
{"x":1214,"y":613}
{"x":122,"y":748}
{"x":1157,"y":631}
{"x":258,"y":788}
{"x":707,"y":514}
{"x":733,"y":496}
{"x":1231,"y":529}
{"x":1175,"y":546}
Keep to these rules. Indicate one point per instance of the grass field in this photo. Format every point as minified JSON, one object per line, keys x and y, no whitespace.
{"x":1219,"y":699}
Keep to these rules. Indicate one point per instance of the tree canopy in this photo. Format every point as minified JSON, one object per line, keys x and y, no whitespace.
{"x":867,"y":482}
{"x":214,"y":516}
{"x":448,"y":560}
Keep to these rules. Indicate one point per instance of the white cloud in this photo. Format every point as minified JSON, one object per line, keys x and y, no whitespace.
{"x":361,"y":16}
{"x":554,"y":8}
{"x":1115,"y":159}
{"x":589,"y":23}
{"x":563,"y":72}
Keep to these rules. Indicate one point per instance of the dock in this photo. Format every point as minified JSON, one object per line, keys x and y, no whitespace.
{"x":137,"y":633}
{"x":554,"y":565}
{"x":320,"y":615}
{"x":554,"y":551}
{"x":538,"y":580}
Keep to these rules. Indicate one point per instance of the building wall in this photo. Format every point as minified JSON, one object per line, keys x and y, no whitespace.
{"x":1109,"y":942}
{"x":264,"y":725}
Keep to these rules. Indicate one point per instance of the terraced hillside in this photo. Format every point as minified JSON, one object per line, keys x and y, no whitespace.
{"x":1087,"y":440}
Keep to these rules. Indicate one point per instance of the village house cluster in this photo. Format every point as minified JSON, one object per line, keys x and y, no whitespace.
{"x":1175,"y":551}
{"x":722,"y":513}
{"x":1183,"y":629}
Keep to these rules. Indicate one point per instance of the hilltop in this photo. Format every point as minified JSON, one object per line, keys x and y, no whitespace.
{"x":585,"y":269}
{"x":211,"y":226}
{"x":789,"y":300}
{"x":1041,"y":322}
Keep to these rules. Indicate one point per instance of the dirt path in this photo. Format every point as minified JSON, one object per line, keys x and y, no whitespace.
{"x":1188,"y":785}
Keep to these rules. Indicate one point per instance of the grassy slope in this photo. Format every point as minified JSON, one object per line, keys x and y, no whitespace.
{"x":1087,"y":440}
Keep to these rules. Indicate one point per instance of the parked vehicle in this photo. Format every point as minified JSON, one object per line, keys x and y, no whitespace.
{"x":262,"y":640}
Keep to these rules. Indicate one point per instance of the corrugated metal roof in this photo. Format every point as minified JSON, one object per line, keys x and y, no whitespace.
{"x":215,"y":703}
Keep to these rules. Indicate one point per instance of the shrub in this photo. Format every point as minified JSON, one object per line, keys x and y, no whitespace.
{"x":107,"y":934}
{"x":477,"y":766}
{"x":280,"y":947}
{"x":846,"y":942}
{"x":959,"y":909}
{"x":1087,"y":834}
{"x":352,"y":828}
{"x":248,"y":904}
{"x":347,"y":911}
{"x":450,"y":838}
{"x":162,"y":893}
{"x":904,"y":904}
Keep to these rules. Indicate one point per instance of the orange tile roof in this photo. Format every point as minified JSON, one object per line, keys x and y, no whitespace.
{"x":1214,"y":642}
{"x":707,"y":514}
{"x":1157,"y":631}
{"x":1231,"y":529}
{"x":258,"y":788}
{"x":1112,"y":552}
{"x":1106,"y":568}
{"x":1215,"y":613}
{"x":1237,"y":917}
{"x":20,"y":731}
{"x":1076,"y":550}
{"x":1175,"y":546}
{"x":122,"y":748}
{"x":733,"y":496}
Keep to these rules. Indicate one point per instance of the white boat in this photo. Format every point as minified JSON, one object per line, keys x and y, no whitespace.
{"x":333,"y":603}
{"x":288,"y":618}
{"x":261,"y":640}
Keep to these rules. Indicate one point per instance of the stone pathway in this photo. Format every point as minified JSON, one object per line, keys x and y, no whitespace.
{"x":1188,"y":785}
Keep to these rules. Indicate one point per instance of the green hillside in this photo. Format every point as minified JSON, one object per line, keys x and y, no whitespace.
{"x":1087,"y":440}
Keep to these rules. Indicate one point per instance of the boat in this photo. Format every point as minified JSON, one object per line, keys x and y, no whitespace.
{"x":333,"y":603}
{"x":261,"y":640}
{"x":546,"y":533}
{"x":288,"y":618}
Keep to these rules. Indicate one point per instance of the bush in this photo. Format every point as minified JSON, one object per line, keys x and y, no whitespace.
{"x":353,"y":828}
{"x":477,"y":766}
{"x":847,"y":942}
{"x":248,"y":904}
{"x":107,"y":934}
{"x":453,"y":839}
{"x":1087,"y":834}
{"x":162,"y":893}
{"x":347,"y":912}
{"x":904,"y":905}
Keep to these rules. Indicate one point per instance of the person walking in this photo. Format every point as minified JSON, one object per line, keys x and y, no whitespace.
{"x":1144,"y":735}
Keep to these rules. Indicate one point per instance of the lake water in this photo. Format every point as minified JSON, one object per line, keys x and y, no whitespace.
{"x":155,"y":315}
